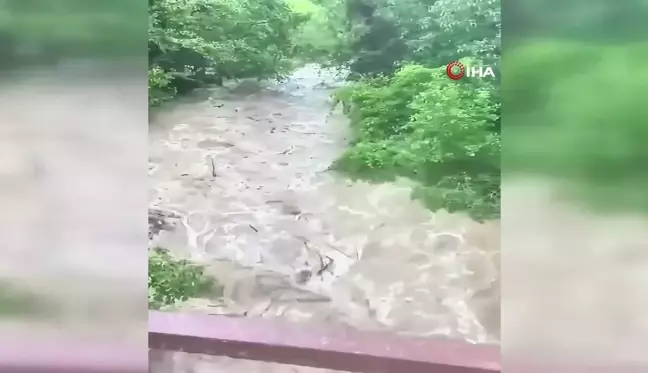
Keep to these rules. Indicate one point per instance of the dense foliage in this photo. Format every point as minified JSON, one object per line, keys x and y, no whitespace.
{"x":171,"y":280}
{"x":408,"y":119}
{"x":421,"y":125}
{"x":318,"y":38}
{"x":194,"y":42}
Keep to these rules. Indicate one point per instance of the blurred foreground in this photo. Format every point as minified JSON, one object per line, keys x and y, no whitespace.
{"x":73,"y":127}
{"x":574,"y":221}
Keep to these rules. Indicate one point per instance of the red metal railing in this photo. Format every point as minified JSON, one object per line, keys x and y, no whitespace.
{"x":251,"y":339}
{"x":265,"y":340}
{"x":345,"y":350}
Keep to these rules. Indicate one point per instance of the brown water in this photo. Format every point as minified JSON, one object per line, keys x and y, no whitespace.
{"x":244,"y":169}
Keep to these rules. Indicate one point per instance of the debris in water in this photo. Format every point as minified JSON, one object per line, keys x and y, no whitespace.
{"x":303,"y":275}
{"x":338,"y":250}
{"x":328,"y":266}
{"x":289,"y":150}
{"x":290,"y":209}
{"x":159,"y":220}
{"x":254,"y":229}
{"x":213,"y":167}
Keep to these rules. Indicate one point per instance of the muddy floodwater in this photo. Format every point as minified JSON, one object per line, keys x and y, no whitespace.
{"x":241,"y":175}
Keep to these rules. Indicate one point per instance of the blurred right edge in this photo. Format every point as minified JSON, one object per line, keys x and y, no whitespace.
{"x":575,"y":182}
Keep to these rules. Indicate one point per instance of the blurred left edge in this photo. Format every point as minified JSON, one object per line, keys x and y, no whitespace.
{"x":37,"y":37}
{"x":70,"y":356}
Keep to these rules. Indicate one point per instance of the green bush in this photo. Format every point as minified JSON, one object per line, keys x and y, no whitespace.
{"x":159,"y":86}
{"x":171,"y":280}
{"x":441,"y":133}
{"x":407,"y":118}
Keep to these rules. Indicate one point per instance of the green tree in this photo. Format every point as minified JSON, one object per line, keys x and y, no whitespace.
{"x":407,"y":118}
{"x":196,"y":42}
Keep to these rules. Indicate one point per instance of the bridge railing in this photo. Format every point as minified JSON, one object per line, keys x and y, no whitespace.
{"x":249,"y":339}
{"x":341,"y":349}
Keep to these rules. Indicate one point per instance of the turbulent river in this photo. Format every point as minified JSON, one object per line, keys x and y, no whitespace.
{"x":241,"y":173}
